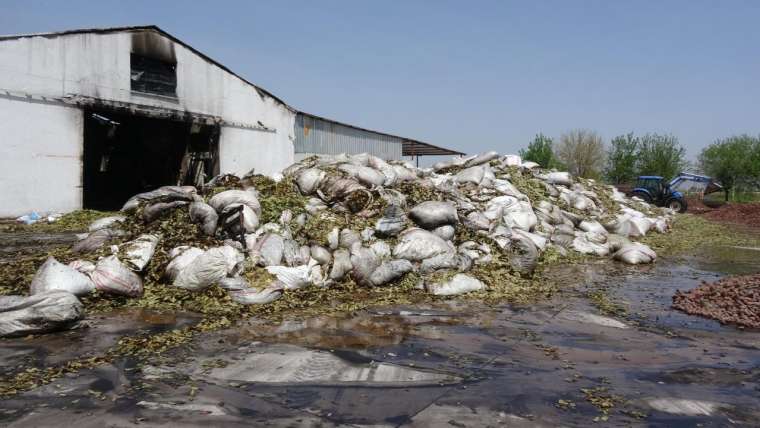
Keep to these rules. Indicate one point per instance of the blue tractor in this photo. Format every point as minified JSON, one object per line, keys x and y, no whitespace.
{"x":654,"y":190}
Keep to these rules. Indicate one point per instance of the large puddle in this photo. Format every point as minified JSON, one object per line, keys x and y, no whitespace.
{"x":456,"y":363}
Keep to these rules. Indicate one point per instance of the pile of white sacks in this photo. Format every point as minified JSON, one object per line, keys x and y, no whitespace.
{"x":476,"y":214}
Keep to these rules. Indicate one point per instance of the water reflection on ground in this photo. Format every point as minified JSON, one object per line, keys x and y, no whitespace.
{"x":458,"y":363}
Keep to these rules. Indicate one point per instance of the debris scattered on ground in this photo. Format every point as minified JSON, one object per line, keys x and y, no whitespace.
{"x":733,"y":300}
{"x":356,"y":228}
{"x":745,"y":214}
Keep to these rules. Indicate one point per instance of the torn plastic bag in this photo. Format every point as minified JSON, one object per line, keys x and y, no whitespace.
{"x":137,"y":254}
{"x":209,"y":268}
{"x":162,"y":194}
{"x":392,"y":222}
{"x":524,"y":255}
{"x":55,"y":276}
{"x":106,"y":222}
{"x":341,"y":264}
{"x":418,"y":244}
{"x":291,"y":253}
{"x":458,"y":284}
{"x":293,"y":277}
{"x":205,"y":215}
{"x":364,"y":262}
{"x":156,"y":210}
{"x":269,"y":249}
{"x":181,"y":258}
{"x":41,"y":313}
{"x":635,"y":253}
{"x":255,"y":296}
{"x":431,"y":214}
{"x":113,"y":277}
{"x":95,"y":240}
{"x":335,"y":189}
{"x":308,"y":180}
{"x":229,"y":197}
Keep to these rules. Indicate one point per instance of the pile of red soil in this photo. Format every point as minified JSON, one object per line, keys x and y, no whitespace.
{"x":745,"y":214}
{"x":734,"y":300}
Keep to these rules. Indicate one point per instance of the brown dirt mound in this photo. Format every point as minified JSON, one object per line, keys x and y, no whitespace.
{"x":747,"y":214}
{"x":734,"y":300}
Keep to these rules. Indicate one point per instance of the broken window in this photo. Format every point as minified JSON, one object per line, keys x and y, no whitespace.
{"x":153,"y":76}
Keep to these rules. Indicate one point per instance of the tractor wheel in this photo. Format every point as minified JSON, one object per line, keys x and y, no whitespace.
{"x":643,"y":195}
{"x":677,"y":205}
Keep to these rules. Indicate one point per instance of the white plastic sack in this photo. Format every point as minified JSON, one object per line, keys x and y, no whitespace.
{"x":365,"y":175}
{"x":364,"y":262}
{"x":431,"y":214}
{"x":181,"y":258}
{"x":635,"y":253}
{"x":137,"y":254}
{"x":41,"y":313}
{"x":255,"y":296}
{"x":244,"y":197}
{"x":309,"y":179}
{"x":55,"y":276}
{"x":269,"y":249}
{"x":293,"y":277}
{"x":458,"y":284}
{"x":106,"y":222}
{"x":112,"y":276}
{"x":205,"y":215}
{"x":341,"y":264}
{"x":418,"y":244}
{"x":208,"y":268}
{"x":390,"y":271}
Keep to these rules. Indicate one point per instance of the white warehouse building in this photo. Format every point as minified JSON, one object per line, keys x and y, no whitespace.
{"x":91,"y":117}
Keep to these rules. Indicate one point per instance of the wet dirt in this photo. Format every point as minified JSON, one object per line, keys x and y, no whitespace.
{"x":569,"y":361}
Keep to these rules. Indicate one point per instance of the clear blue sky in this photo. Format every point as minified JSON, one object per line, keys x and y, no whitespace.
{"x":470,"y":75}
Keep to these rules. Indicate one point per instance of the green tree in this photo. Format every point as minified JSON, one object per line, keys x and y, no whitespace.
{"x":621,"y":159}
{"x":582,"y":152}
{"x":541,"y":151}
{"x":732,"y":161}
{"x":660,"y":155}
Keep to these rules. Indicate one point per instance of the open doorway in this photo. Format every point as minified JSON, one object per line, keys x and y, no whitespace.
{"x":127,"y":154}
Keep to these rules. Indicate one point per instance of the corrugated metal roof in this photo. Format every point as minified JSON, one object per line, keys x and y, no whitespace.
{"x":322,"y":136}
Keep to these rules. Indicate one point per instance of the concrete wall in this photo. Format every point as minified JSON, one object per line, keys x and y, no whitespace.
{"x":98,"y":65}
{"x":41,"y":162}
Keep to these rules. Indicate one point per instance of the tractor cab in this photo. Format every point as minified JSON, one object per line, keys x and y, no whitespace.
{"x":653,"y":185}
{"x":654,"y":190}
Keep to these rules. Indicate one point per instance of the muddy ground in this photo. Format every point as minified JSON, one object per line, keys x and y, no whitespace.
{"x":607,"y":349}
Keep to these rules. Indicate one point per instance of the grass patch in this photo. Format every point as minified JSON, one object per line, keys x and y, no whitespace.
{"x":690,"y":233}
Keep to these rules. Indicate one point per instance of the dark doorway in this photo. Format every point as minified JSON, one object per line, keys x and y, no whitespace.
{"x":127,"y":154}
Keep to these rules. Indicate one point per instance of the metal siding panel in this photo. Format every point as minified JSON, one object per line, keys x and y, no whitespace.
{"x":330,"y":138}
